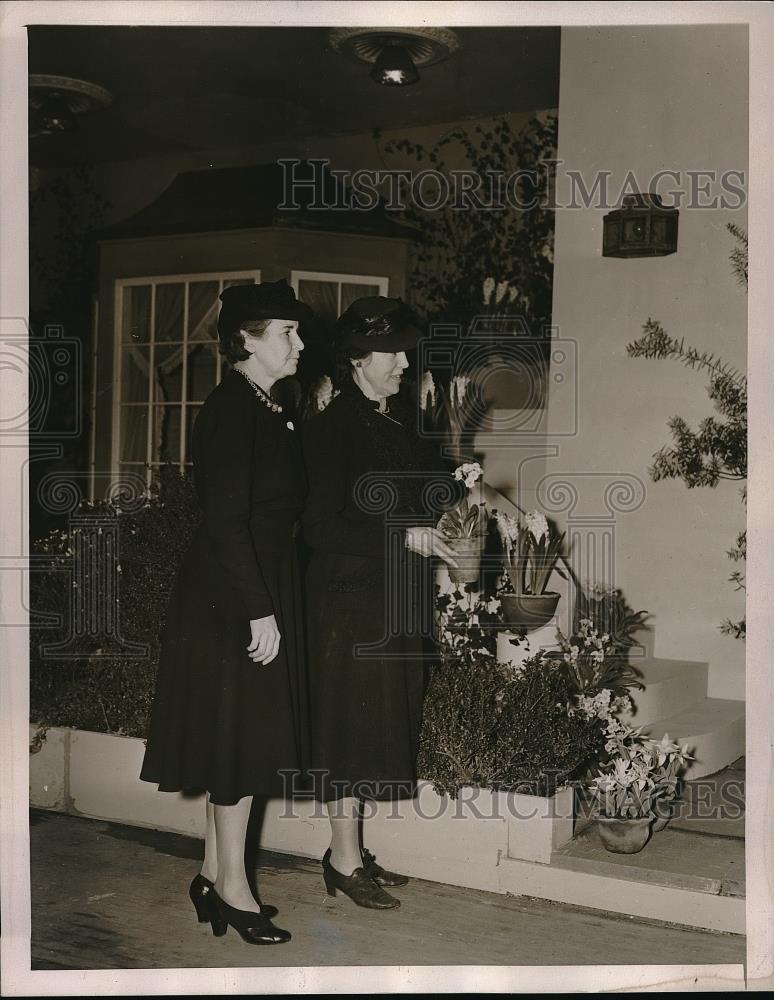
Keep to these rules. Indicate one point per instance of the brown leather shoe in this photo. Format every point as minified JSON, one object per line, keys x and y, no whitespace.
{"x":359,"y":886}
{"x":379,"y":875}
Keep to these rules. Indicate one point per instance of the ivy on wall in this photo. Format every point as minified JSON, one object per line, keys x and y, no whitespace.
{"x":456,"y":248}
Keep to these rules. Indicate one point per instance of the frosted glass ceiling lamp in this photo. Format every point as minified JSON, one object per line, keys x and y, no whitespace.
{"x":394,"y":67}
{"x":395,"y":54}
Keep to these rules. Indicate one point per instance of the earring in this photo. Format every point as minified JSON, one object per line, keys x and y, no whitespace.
{"x":358,"y":364}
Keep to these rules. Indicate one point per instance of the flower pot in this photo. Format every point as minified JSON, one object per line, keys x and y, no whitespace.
{"x":468,"y":555}
{"x":662,"y":810}
{"x":528,"y":612}
{"x":624,"y":836}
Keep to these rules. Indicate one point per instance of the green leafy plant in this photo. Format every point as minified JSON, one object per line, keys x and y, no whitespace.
{"x":529,"y":728}
{"x":467,"y":623}
{"x":717,"y":450}
{"x":610,"y":614}
{"x":591,"y":663}
{"x":497,"y":729}
{"x":457,"y":248}
{"x":639,"y":774}
{"x":110,"y":694}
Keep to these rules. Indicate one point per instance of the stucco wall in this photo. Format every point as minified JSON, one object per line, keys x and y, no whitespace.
{"x":649,"y":99}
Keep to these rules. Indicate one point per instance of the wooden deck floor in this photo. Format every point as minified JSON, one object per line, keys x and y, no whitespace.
{"x":114,"y":897}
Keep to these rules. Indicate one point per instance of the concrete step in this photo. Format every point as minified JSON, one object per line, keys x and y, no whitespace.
{"x":670,"y":686}
{"x":676,"y":899}
{"x":712,"y":727}
{"x":691,"y":873}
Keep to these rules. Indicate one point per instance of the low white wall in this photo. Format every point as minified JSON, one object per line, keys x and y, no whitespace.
{"x":456,"y":841}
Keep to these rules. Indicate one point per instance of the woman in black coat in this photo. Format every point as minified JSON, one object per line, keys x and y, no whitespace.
{"x":369,"y":475}
{"x":230,"y":708}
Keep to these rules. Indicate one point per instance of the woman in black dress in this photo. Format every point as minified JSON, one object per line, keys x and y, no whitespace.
{"x":230,"y":708}
{"x":366,"y":466}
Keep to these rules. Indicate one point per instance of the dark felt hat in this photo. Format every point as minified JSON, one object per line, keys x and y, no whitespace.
{"x":269,"y":300}
{"x":379,"y":324}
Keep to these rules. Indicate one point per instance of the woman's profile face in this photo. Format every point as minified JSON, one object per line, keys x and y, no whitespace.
{"x":278,"y":348}
{"x":382,"y":372}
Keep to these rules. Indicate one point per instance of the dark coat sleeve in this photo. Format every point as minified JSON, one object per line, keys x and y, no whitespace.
{"x":224,"y":476}
{"x":332,"y":521}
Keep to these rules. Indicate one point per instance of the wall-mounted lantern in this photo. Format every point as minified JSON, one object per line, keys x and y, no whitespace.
{"x":642,"y":227}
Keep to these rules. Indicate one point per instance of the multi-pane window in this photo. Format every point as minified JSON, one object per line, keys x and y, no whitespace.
{"x":167,"y":359}
{"x":328,"y":295}
{"x":167,"y":363}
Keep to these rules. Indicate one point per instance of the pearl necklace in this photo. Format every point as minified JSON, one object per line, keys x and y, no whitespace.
{"x":261,"y":394}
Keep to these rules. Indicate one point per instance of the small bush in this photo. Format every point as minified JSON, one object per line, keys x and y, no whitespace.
{"x":491,"y":727}
{"x":89,"y":689}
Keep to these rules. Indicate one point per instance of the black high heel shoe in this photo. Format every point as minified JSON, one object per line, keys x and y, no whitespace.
{"x":200,"y":892}
{"x":359,"y":886}
{"x":254,"y":928}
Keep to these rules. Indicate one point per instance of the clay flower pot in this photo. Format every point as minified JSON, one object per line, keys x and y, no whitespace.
{"x":468,"y":553}
{"x":527,"y":612}
{"x":624,"y":836}
{"x":662,"y":809}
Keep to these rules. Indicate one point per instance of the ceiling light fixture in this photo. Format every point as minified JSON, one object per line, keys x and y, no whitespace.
{"x":396,"y":54}
{"x":56,"y":101}
{"x":394,"y":67}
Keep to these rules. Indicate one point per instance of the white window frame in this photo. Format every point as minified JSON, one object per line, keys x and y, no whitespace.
{"x":381,"y":282}
{"x":154,"y":280}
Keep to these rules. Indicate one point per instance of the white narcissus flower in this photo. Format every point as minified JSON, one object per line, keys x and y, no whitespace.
{"x":537,"y":524}
{"x":460,"y":385}
{"x":493,"y":605}
{"x":623,"y":773}
{"x":489,"y":284}
{"x":502,"y":288}
{"x":427,"y":388}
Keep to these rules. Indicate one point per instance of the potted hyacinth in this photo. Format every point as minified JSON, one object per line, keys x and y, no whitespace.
{"x":464,"y":527}
{"x":637,"y":785}
{"x":531,"y":551}
{"x":450,"y":409}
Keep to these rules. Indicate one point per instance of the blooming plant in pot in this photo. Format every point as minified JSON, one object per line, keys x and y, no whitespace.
{"x":592,"y":663}
{"x":451,"y":409}
{"x":531,"y":551}
{"x":628,"y":788}
{"x":464,"y":527}
{"x":669,"y":760}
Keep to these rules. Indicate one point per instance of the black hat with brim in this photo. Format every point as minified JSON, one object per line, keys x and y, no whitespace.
{"x":378,"y":324}
{"x":268,"y":300}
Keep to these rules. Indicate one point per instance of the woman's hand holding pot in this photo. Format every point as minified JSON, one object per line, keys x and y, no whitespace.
{"x":427,"y":541}
{"x":265,"y":642}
